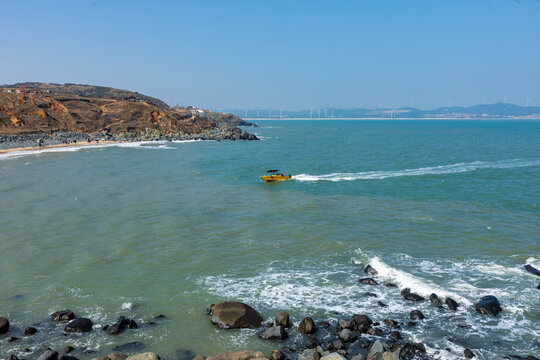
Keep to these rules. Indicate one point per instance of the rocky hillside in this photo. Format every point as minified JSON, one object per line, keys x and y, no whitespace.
{"x":44,"y":111}
{"x":86,"y":91}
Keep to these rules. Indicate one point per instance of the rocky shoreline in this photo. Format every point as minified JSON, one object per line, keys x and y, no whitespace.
{"x":356,"y":337}
{"x":66,"y":138}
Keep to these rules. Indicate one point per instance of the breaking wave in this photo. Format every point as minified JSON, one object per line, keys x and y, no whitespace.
{"x":433,"y":170}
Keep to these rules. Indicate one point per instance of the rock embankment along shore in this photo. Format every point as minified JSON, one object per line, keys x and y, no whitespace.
{"x":74,"y":138}
{"x":356,"y":337}
{"x":53,"y":118}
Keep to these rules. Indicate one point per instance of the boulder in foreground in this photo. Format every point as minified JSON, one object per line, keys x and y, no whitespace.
{"x":144,"y":356}
{"x":79,"y":325}
{"x":234,"y":315}
{"x":238,"y":355}
{"x":63,"y":315}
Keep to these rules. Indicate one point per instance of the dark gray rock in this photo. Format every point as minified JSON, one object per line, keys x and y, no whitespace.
{"x":345,"y":324}
{"x":532,"y":269}
{"x":29,"y":331}
{"x":67,"y":357}
{"x":47,"y":354}
{"x":361,"y":321}
{"x":468,"y":354}
{"x":489,"y":305}
{"x":381,"y":304}
{"x":391,"y":285}
{"x":120,"y":325}
{"x":79,"y":325}
{"x":130,"y":347}
{"x":274,"y":333}
{"x":390,"y":322}
{"x":417,"y":315}
{"x":63,"y":315}
{"x":378,"y":347}
{"x":451,"y":303}
{"x":67,"y":349}
{"x":370,"y":270}
{"x":4,"y":325}
{"x":306,"y":326}
{"x":412,"y":296}
{"x":435,"y":299}
{"x":282,"y":319}
{"x":370,"y":294}
{"x":368,"y":281}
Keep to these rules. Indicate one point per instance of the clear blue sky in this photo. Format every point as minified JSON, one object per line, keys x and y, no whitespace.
{"x":281,"y":54}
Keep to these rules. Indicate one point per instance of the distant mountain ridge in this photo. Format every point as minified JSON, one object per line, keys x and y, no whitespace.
{"x":497,"y":110}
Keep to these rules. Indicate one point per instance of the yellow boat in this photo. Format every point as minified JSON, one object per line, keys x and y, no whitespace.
{"x":275,"y":175}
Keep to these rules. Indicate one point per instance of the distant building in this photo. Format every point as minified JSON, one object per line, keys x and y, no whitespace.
{"x":196,"y":112}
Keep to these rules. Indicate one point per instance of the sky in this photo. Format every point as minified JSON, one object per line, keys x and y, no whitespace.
{"x":288,"y":54}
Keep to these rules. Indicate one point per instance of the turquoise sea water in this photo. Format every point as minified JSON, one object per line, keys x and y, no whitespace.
{"x":450,"y":207}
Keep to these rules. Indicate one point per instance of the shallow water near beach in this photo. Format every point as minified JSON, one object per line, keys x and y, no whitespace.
{"x":446,"y":207}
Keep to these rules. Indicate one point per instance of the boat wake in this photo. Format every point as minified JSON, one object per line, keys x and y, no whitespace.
{"x":433,"y":170}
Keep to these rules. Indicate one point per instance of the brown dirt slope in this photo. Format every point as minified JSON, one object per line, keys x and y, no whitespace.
{"x":27,"y":113}
{"x":88,"y":91}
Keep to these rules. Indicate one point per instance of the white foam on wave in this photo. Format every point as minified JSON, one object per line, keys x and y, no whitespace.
{"x":417,"y":285}
{"x":162,"y":144}
{"x":433,"y":170}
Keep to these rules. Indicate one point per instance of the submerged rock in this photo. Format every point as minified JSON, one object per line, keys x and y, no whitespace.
{"x":234,"y":315}
{"x":468,"y":354}
{"x":370,"y":270}
{"x":413,"y":297}
{"x":489,"y":305}
{"x":451,"y":303}
{"x":30,"y":331}
{"x":434,"y":299}
{"x":306,"y":326}
{"x":417,"y":315}
{"x":391,"y":285}
{"x":129,"y":347}
{"x":368,"y":281}
{"x":79,"y":325}
{"x":63,"y":315}
{"x":4,"y":325}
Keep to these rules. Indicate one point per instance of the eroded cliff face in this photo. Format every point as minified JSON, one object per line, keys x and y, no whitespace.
{"x":22,"y":113}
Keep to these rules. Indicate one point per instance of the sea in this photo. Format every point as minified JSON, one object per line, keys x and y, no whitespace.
{"x":167,"y":228}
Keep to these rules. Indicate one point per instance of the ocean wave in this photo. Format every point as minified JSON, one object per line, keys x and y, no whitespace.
{"x":433,"y":170}
{"x":416,"y":284}
{"x":72,"y":148}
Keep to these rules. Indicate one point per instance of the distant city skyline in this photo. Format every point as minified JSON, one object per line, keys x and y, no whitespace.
{"x":281,"y":54}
